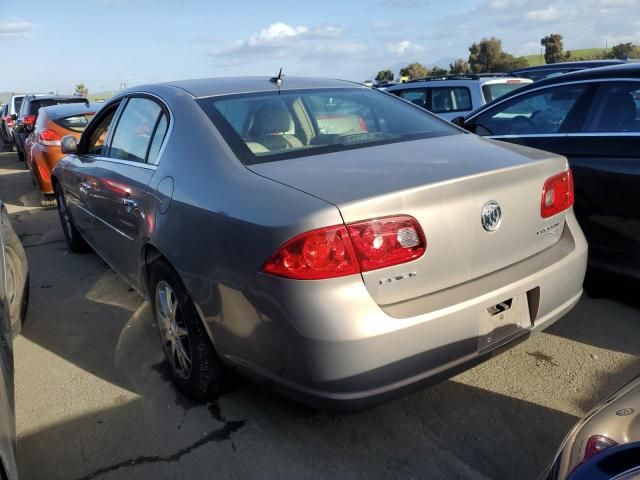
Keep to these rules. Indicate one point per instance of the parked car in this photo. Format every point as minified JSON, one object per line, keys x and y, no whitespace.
{"x":13,"y":299}
{"x":615,"y":421}
{"x":593,"y":118}
{"x":42,"y":146}
{"x":540,"y":72}
{"x":454,"y":95}
{"x":8,"y":119}
{"x":340,"y":268}
{"x":28,"y":115}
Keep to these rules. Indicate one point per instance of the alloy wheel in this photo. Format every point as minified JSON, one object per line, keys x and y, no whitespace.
{"x":173,"y":331}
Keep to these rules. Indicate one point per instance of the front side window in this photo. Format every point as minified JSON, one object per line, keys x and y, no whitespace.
{"x":98,"y":136}
{"x":450,"y":99}
{"x":135,"y":128}
{"x":616,"y":108}
{"x":415,"y":96}
{"x":270,"y":126}
{"x":542,"y":112}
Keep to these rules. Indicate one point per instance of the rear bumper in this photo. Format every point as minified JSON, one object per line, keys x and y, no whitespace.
{"x":328,"y":345}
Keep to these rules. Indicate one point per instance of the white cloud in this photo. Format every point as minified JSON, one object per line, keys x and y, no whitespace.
{"x":403,"y":47}
{"x":550,"y":13}
{"x":16,"y":29}
{"x":275,"y":33}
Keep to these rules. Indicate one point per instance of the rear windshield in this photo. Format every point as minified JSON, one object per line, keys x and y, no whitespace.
{"x":492,"y":91}
{"x":268,"y":126}
{"x":76,"y":123}
{"x":36,"y":105}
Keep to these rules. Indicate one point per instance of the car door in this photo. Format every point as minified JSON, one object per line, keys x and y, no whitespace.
{"x":605,"y":158}
{"x":123,"y":201}
{"x":80,"y":180}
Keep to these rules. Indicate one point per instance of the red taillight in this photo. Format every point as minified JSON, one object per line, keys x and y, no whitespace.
{"x":557,"y":194}
{"x":387,"y":241}
{"x":338,"y":250}
{"x":595,"y":445}
{"x":45,"y":174}
{"x":49,"y":137}
{"x":29,"y":120}
{"x":9,"y":121}
{"x":323,"y":253}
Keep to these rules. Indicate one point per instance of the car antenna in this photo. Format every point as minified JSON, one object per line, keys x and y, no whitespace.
{"x":277,"y":80}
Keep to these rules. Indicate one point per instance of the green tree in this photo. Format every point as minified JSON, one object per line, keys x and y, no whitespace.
{"x":553,"y":48}
{"x":414,"y":70}
{"x":624,"y":50}
{"x":439,"y":72}
{"x":487,"y":56}
{"x":459,"y":67}
{"x":81,"y":90}
{"x":384,"y":76}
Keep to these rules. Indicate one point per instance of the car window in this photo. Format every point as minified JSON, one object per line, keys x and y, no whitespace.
{"x":96,"y":142}
{"x":450,"y":99}
{"x":132,"y":136}
{"x":492,"y":91}
{"x":36,"y":105}
{"x":416,"y":96}
{"x":75,"y":123}
{"x":615,"y":108}
{"x":541,"y":112}
{"x":270,"y":126}
{"x":17,"y":104}
{"x":158,"y":137}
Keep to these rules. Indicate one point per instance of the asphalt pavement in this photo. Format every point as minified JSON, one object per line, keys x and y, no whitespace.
{"x":94,"y":401}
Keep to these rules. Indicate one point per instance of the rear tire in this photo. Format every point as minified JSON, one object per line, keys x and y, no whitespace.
{"x":20,"y":155}
{"x":17,"y":275}
{"x":194,"y":366}
{"x":76,"y":243}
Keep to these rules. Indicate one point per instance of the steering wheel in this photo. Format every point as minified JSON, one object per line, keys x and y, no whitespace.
{"x":522,"y":125}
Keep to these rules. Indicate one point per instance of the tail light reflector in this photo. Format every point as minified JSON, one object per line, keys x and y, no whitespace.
{"x":595,"y":445}
{"x":338,"y":250}
{"x":29,"y":120}
{"x":557,"y":194}
{"x":45,"y":174}
{"x":49,"y":137}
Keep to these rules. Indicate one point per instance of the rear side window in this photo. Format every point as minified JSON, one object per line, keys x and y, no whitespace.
{"x":75,"y":123}
{"x":616,"y":108}
{"x":158,"y":137}
{"x":17,"y":104}
{"x":542,"y":112}
{"x":132,"y":137}
{"x":270,"y":126}
{"x":450,"y":99}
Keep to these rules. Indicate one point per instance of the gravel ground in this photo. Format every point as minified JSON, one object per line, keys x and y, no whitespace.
{"x":94,"y":401}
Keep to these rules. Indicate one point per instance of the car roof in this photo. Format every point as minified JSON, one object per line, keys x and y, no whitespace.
{"x":623,"y":71}
{"x":568,"y":65}
{"x":67,"y":109}
{"x":48,"y":96}
{"x":455,"y":80}
{"x":209,"y":87}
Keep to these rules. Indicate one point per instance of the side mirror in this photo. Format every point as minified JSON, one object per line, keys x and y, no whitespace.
{"x":69,"y":145}
{"x":14,"y":116}
{"x":459,"y":121}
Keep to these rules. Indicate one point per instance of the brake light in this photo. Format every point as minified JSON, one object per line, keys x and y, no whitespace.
{"x":339,"y":251}
{"x":9,"y":121}
{"x":29,"y":120}
{"x":511,"y":82}
{"x":595,"y":445}
{"x":557,"y":194}
{"x":49,"y":137}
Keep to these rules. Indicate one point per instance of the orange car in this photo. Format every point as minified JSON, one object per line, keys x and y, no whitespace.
{"x":42,"y":147}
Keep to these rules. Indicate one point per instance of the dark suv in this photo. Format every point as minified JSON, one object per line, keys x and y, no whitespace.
{"x":26,"y":119}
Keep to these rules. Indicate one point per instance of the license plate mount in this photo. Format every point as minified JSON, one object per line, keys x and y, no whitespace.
{"x":503,"y":320}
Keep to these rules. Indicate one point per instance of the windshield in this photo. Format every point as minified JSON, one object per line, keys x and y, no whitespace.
{"x":272,"y":126}
{"x":492,"y":91}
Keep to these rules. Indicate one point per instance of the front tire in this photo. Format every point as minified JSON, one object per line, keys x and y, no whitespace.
{"x":76,"y":243}
{"x":195,"y":367}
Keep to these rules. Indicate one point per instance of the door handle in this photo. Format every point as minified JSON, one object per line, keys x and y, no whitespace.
{"x":85,"y":187}
{"x":129,"y":204}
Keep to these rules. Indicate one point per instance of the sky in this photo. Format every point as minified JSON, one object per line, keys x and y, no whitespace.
{"x":102,"y":43}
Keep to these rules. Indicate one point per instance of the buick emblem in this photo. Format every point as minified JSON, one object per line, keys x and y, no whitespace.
{"x":491,"y":216}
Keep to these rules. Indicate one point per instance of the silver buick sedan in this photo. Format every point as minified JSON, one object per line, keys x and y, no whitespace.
{"x":336,"y":243}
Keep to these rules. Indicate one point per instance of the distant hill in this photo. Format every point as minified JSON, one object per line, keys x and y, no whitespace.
{"x":586,"y":53}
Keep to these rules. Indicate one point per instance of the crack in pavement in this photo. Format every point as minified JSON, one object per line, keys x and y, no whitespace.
{"x":219,"y":435}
